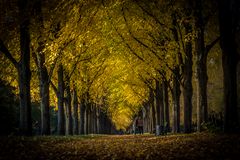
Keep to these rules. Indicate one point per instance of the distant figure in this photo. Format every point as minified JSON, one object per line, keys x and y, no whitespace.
{"x":139,"y":125}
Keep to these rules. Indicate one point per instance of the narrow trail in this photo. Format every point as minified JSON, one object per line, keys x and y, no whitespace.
{"x":189,"y":146}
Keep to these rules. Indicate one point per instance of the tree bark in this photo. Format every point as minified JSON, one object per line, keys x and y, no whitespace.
{"x":75,"y":112}
{"x":227,"y":24}
{"x":82,"y":116}
{"x":187,"y":80}
{"x":44,"y":98}
{"x":152,"y":110}
{"x":23,"y":69}
{"x":176,"y":92}
{"x":158,"y":102}
{"x":98,"y":112}
{"x":69,"y":120}
{"x":176,"y":100}
{"x":89,"y":127}
{"x":61,"y":115}
{"x":159,"y":109}
{"x":201,"y":66}
{"x":166,"y":106}
{"x":42,"y":72}
{"x":86,"y":120}
{"x":24,"y":72}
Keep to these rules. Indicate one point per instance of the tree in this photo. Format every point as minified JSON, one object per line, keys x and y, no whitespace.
{"x":75,"y":112}
{"x":202,"y":51}
{"x":23,"y":67}
{"x":44,"y":77}
{"x":187,"y":73}
{"x":228,"y":23}
{"x":60,"y":93}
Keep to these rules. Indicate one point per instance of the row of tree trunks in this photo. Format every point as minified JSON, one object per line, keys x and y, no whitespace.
{"x":155,"y":111}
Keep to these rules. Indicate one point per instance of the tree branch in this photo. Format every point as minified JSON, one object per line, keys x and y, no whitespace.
{"x":210,"y":46}
{"x":54,"y":88}
{"x":6,"y":52}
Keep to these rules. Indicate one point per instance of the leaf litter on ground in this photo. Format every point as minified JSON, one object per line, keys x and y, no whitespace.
{"x":118,"y":147}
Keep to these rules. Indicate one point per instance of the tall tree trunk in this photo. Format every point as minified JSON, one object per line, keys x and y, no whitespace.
{"x":187,"y":80}
{"x":162,"y":117}
{"x":159,"y":109}
{"x":75,"y":112}
{"x":176,"y":100}
{"x":201,"y":66}
{"x":23,"y":68}
{"x":44,"y":94}
{"x":61,"y":115}
{"x":90,"y":119}
{"x":166,"y":105}
{"x":86,"y":120}
{"x":227,"y":24}
{"x":94,"y":119}
{"x":42,"y":71}
{"x":82,"y":115}
{"x":176,"y":92}
{"x":24,"y":72}
{"x":158,"y":103}
{"x":152,"y":109}
{"x":69,"y":120}
{"x":98,"y":119}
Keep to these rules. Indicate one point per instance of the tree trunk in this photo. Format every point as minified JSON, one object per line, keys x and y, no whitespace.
{"x":152,"y":109}
{"x":187,"y":81}
{"x":44,"y":98}
{"x":42,"y":71}
{"x":159,"y":109}
{"x":86,"y":120}
{"x":94,"y":119}
{"x":61,"y":115}
{"x":176,"y":100}
{"x":25,"y":102}
{"x":24,"y":72}
{"x":98,"y":119}
{"x":229,"y":62}
{"x":89,"y":119}
{"x":75,"y":112}
{"x":176,"y":82}
{"x":69,"y":120}
{"x":162,"y":122}
{"x":158,"y":103}
{"x":23,"y":68}
{"x":166,"y":106}
{"x":82,"y":116}
{"x":201,"y":66}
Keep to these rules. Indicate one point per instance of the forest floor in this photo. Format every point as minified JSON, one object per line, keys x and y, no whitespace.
{"x":178,"y":146}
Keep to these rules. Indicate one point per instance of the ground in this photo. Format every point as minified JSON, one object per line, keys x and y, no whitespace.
{"x":180,"y":146}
